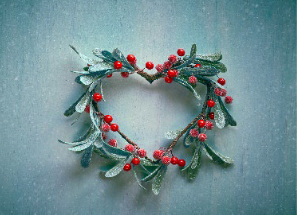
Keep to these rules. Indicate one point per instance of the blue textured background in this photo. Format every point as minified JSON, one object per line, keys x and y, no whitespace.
{"x":258,"y":42}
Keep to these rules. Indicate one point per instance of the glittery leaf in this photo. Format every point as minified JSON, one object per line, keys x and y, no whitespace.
{"x":89,"y":141}
{"x":81,"y":72}
{"x":118,"y":168}
{"x":85,"y":135}
{"x":211,"y":57}
{"x":83,"y":57}
{"x":156,"y":186}
{"x":171,"y":135}
{"x":81,"y":105}
{"x":228,"y":116}
{"x":193,"y":167}
{"x":105,"y":55}
{"x":188,"y":86}
{"x":146,"y":162}
{"x":90,"y":78}
{"x":115,"y":150}
{"x":203,"y":70}
{"x":137,"y":179}
{"x":219,"y":116}
{"x":86,"y":158}
{"x":215,"y":156}
{"x":151,"y":175}
{"x":101,"y":90}
{"x":190,"y":59}
{"x":117,"y":54}
{"x":71,"y":109}
{"x":100,"y":66}
{"x":94,"y":118}
{"x":218,"y":65}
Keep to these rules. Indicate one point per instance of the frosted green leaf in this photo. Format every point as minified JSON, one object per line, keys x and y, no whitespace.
{"x":228,"y":116}
{"x":151,"y":175}
{"x":86,"y":158}
{"x":81,"y":105}
{"x":146,"y":162}
{"x":93,"y":85}
{"x":216,"y":156}
{"x":203,"y":70}
{"x":81,"y":147}
{"x":171,"y":135}
{"x":118,"y":168}
{"x":188,"y":86}
{"x":117,"y":54}
{"x":87,"y":80}
{"x":81,"y":72}
{"x":83,"y":57}
{"x":101,"y":90}
{"x":158,"y":180}
{"x":193,"y":167}
{"x":71,"y":109}
{"x":100,"y":66}
{"x":94,"y":119}
{"x":219,"y":116}
{"x":211,"y":57}
{"x":137,"y":179}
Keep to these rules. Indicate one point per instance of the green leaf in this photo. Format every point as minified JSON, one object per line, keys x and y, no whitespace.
{"x":171,"y":135}
{"x":151,"y":175}
{"x":214,"y":57}
{"x":81,"y":105}
{"x":193,"y":167}
{"x":117,"y":54}
{"x":101,"y":66}
{"x":219,"y":116}
{"x":146,"y":162}
{"x":118,"y":168}
{"x":94,"y":118}
{"x":215,"y":156}
{"x":228,"y":116}
{"x":71,"y":109}
{"x":188,"y":86}
{"x":89,"y":141}
{"x":218,"y":65}
{"x":158,"y":180}
{"x":203,"y":71}
{"x":86,"y":158}
{"x":83,"y":57}
{"x":137,"y":179}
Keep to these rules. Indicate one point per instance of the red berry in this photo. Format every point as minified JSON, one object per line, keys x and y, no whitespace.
{"x":125,"y":74}
{"x":114,"y":127}
{"x":108,"y":119}
{"x":88,"y":65}
{"x":141,"y":153}
{"x":198,"y":65}
{"x":158,"y":154}
{"x":174,"y":160}
{"x":135,"y":161}
{"x":113,"y":142}
{"x":181,"y":162}
{"x":87,"y":109}
{"x":211,"y":103}
{"x":97,"y":97}
{"x":168,"y":79}
{"x":166,"y":160}
{"x":131,"y":58}
{"x":106,"y":127}
{"x":104,"y":136}
{"x":181,"y":52}
{"x":109,"y":76}
{"x":202,"y":137}
{"x":228,"y":99}
{"x":117,"y":64}
{"x":221,"y":81}
{"x":127,"y":167}
{"x":172,"y":58}
{"x":171,"y":73}
{"x":149,"y":65}
{"x":211,"y":115}
{"x":201,"y":123}
{"x":129,"y":148}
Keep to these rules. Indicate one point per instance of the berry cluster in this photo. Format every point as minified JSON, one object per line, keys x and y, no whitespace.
{"x":166,"y":158}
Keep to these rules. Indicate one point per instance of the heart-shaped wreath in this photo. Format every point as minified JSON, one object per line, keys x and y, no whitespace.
{"x":186,"y":70}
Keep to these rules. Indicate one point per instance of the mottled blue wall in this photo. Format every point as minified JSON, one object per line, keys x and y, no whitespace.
{"x":258,"y":42}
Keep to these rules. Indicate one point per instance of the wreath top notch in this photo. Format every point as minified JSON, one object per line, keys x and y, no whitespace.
{"x":186,"y":70}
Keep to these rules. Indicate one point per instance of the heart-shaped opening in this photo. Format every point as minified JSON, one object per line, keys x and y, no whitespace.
{"x":145,"y":112}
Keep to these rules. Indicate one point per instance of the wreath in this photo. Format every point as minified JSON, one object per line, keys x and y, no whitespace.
{"x":186,"y":70}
